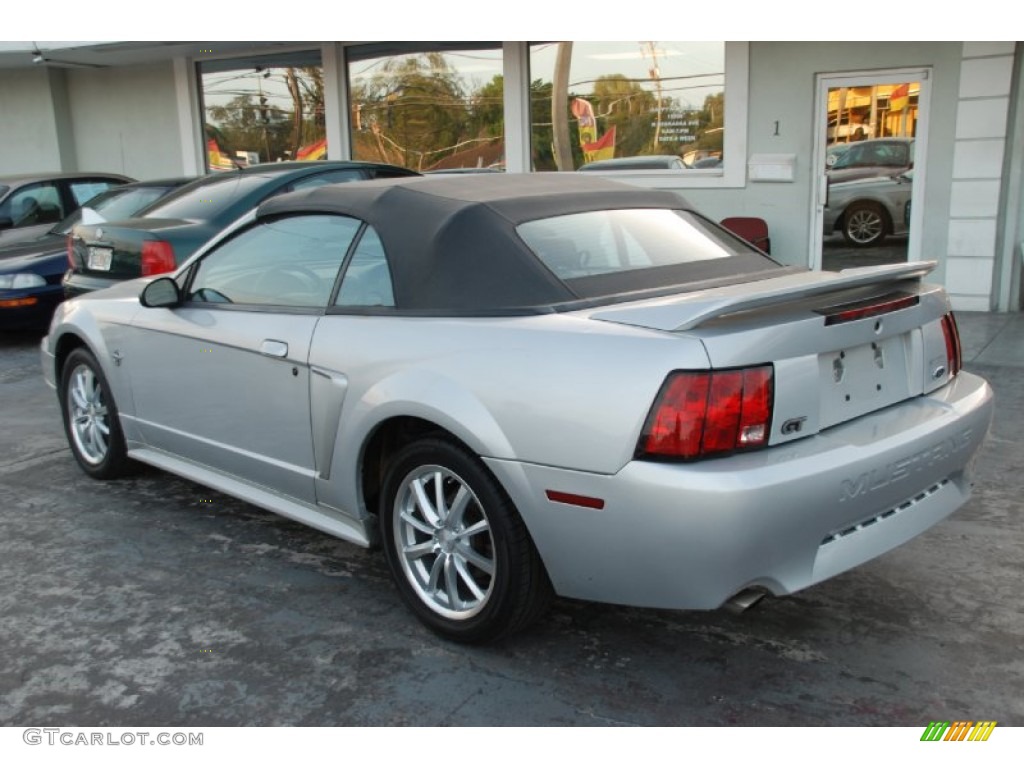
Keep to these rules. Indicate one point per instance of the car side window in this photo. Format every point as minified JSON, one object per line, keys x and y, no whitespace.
{"x":84,"y":190}
{"x":854,"y":157}
{"x":33,"y":204}
{"x":367,"y":280}
{"x":287,"y":262}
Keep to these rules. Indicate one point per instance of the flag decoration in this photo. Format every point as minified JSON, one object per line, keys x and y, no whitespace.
{"x":315,"y":151}
{"x":602,"y":149}
{"x":217,"y":159}
{"x":594,"y":148}
{"x":899,"y":98}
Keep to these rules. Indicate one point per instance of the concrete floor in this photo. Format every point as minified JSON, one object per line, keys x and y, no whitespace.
{"x":153,"y":601}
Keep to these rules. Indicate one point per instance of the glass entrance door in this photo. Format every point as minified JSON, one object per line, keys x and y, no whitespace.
{"x":869,"y":159}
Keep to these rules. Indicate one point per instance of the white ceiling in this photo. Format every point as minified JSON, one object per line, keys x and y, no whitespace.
{"x":96,"y":54}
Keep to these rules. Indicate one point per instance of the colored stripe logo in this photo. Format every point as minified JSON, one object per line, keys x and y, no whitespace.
{"x":960,"y":730}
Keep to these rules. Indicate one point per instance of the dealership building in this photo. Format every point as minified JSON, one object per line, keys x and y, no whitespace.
{"x":758,"y":126}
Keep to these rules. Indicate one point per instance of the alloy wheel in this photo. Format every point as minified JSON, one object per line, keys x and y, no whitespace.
{"x":864,"y":226}
{"x":444,"y":543}
{"x":88,"y":415}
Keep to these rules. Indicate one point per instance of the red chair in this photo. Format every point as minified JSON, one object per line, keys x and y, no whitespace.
{"x":753,"y":230}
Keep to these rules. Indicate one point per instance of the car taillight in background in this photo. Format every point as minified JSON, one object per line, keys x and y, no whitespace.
{"x":704,"y":413}
{"x":951,"y":334}
{"x":157,"y":257}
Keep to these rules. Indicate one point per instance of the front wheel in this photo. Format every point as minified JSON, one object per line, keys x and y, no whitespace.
{"x":90,"y":417}
{"x":460,"y":554}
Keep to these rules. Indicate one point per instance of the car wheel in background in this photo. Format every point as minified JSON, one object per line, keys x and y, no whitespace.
{"x":460,"y":554}
{"x":90,"y":417}
{"x":864,"y":224}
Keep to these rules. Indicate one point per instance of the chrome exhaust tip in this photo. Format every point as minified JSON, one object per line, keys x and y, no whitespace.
{"x":744,"y":600}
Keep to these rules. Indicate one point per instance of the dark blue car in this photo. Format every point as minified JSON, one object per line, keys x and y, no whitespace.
{"x":31,"y":272}
{"x":166,"y":234}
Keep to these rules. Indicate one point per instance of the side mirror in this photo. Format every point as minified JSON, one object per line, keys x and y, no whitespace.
{"x":162,"y":292}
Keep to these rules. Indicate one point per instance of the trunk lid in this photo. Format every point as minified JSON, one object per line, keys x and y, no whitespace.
{"x":841,"y":344}
{"x":114,"y":250}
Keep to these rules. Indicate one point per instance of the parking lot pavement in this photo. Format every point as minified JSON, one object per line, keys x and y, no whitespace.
{"x":153,"y":601}
{"x":836,"y":254}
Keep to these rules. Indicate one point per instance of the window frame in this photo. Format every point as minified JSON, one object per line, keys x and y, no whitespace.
{"x":353,"y":53}
{"x":350,"y":256}
{"x":733,"y":173}
{"x":193,"y":92}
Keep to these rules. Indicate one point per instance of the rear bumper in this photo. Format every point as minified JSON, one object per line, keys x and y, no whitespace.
{"x":693,"y":535}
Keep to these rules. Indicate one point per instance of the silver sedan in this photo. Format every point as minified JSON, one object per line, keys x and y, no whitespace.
{"x":527,"y":385}
{"x":865,"y":211}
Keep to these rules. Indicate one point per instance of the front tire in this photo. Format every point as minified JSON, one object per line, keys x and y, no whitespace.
{"x":460,"y":554}
{"x":91,"y":421}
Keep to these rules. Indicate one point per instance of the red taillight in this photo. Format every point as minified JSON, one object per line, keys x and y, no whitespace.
{"x":157,"y":257}
{"x":675,"y":424}
{"x":757,"y":407}
{"x":725,"y":402}
{"x":951,"y":334}
{"x":700,"y":413}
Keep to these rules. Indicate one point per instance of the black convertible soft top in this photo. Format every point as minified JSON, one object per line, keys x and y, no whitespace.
{"x":451,"y":241}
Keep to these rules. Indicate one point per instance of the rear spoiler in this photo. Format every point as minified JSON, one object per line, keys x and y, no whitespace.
{"x":683,"y":313}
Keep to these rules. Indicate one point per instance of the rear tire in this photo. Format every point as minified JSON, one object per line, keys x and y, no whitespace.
{"x":91,"y":420}
{"x":460,"y":554}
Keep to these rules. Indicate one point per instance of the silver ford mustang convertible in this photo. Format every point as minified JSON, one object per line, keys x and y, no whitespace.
{"x":528,"y":385}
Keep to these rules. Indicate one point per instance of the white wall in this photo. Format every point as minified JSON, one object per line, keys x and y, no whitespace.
{"x":782,"y":85}
{"x":28,"y":129}
{"x":125,"y":120}
{"x":978,"y":166}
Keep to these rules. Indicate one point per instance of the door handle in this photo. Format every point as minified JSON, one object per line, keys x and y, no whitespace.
{"x":273,"y":348}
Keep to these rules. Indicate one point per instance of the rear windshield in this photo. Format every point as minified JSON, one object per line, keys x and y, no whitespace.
{"x":115,"y":204}
{"x":128,"y":203}
{"x":602,"y":253}
{"x":208,"y":197}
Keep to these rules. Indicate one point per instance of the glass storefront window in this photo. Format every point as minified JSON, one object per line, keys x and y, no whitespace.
{"x":628,"y":105}
{"x":427,"y":106}
{"x":263,"y":109}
